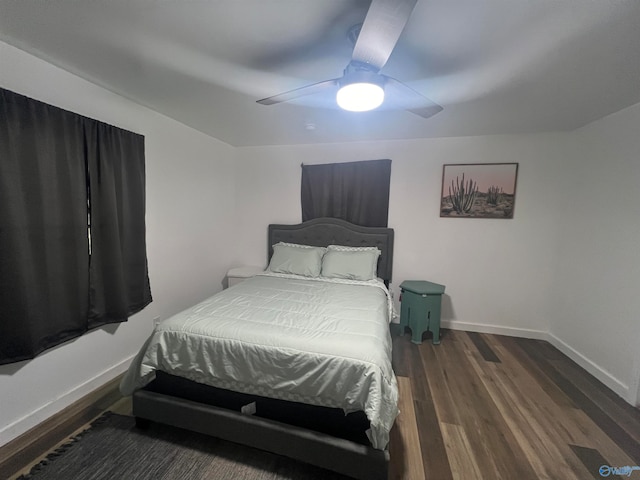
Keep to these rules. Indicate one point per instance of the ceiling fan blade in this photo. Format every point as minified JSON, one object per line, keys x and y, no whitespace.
{"x":409,"y":99}
{"x":299,"y":92}
{"x":380,"y":31}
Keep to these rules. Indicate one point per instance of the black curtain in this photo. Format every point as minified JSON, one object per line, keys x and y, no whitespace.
{"x":46,"y":174}
{"x":118,"y":279}
{"x":355,"y":191}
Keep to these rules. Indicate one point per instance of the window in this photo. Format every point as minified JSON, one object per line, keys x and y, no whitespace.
{"x":72,"y":231}
{"x":354,"y":191}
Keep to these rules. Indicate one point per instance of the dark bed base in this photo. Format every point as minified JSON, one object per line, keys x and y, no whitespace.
{"x":325,"y":450}
{"x":331,"y":421}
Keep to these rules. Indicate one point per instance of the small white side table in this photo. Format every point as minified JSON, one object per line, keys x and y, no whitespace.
{"x":238,"y":274}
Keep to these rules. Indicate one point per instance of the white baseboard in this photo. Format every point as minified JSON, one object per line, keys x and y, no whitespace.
{"x":495,"y":329}
{"x":24,"y":424}
{"x":601,"y":374}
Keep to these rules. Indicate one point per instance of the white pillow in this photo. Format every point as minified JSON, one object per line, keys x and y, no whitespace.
{"x":296,"y":259}
{"x":353,"y":263}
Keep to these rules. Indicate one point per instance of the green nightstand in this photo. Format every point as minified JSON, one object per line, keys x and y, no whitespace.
{"x":420,"y":308}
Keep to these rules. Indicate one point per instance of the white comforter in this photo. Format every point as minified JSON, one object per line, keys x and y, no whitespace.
{"x":322,"y":342}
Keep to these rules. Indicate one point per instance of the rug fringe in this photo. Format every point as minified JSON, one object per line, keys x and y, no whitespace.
{"x":64,"y":448}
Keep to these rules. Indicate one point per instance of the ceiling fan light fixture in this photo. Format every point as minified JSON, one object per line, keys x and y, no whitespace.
{"x":360,"y":90}
{"x":360,"y":96}
{"x":362,"y":86}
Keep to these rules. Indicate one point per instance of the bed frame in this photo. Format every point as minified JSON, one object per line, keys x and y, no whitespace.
{"x":286,"y":428}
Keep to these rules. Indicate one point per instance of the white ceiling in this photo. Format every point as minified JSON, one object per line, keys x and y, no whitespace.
{"x":496,"y":66}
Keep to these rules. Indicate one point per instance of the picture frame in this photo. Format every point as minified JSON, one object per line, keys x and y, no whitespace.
{"x":478,"y":190}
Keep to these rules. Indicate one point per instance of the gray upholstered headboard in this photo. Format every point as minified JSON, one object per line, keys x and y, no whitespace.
{"x":321,"y":232}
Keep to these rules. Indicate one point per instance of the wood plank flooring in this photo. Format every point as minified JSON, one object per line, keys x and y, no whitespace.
{"x":490,"y":406}
{"x":482,"y":406}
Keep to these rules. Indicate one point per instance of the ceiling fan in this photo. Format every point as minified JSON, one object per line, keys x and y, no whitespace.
{"x":362,"y":87}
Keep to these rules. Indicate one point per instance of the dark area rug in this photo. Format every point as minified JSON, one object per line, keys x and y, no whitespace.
{"x":113,"y":448}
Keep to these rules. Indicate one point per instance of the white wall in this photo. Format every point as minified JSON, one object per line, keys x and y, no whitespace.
{"x":596,"y":302}
{"x":190,"y":191}
{"x":497,"y":272}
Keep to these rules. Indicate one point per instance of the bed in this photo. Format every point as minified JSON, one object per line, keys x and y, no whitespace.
{"x":289,"y":361}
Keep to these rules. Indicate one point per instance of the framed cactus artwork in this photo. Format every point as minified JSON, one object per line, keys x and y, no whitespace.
{"x":478,"y":190}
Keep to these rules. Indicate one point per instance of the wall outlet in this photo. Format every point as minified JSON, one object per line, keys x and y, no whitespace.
{"x":156,"y":321}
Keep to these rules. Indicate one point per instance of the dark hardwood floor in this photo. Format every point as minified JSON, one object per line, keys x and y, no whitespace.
{"x":487,"y":406}
{"x":482,"y":406}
